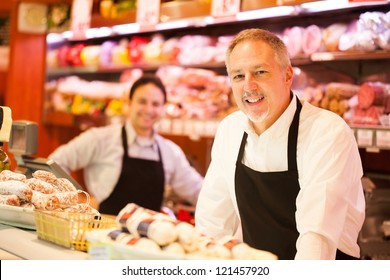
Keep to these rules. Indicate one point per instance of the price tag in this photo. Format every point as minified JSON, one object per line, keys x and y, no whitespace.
{"x":99,"y":251}
{"x":198,"y":127}
{"x":211,"y":127}
{"x":148,"y":12}
{"x":177,"y":126}
{"x":222,"y":8}
{"x":81,"y":17}
{"x":164,"y":125}
{"x":188,"y":127}
{"x":365,"y":137}
{"x":383,"y":138}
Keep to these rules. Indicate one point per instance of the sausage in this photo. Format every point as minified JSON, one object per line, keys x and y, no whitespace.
{"x":66,"y":199}
{"x":370,"y":94}
{"x":341,"y":90}
{"x":163,"y":232}
{"x":65,"y":185}
{"x":311,"y":39}
{"x":242,"y":251}
{"x":9,"y":199}
{"x":174,"y":248}
{"x":44,"y":201}
{"x":144,"y":222}
{"x":54,"y":200}
{"x":208,"y":247}
{"x":293,"y":39}
{"x":40,"y":186}
{"x":7,"y":175}
{"x":188,"y":237}
{"x":45,"y":176}
{"x":18,"y":188}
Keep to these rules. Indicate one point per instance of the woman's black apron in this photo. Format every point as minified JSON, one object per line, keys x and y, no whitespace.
{"x":267,"y":201}
{"x":141,"y":181}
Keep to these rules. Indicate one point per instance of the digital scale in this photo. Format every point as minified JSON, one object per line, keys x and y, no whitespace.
{"x":23,"y":144}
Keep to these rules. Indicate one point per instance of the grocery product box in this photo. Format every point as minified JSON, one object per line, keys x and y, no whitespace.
{"x":247,"y":5}
{"x":293,"y":2}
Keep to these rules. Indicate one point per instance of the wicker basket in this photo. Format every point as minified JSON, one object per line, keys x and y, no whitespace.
{"x":68,"y":229}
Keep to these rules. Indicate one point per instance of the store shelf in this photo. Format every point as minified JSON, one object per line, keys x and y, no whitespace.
{"x":354,"y":64}
{"x":350,"y":55}
{"x":194,"y":18}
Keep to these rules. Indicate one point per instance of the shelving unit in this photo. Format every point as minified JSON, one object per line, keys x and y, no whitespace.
{"x":356,"y":64}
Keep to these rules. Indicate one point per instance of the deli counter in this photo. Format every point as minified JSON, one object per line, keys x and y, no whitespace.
{"x":18,"y":243}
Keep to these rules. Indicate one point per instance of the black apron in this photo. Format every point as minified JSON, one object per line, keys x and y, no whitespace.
{"x":141,"y":181}
{"x":267,"y":201}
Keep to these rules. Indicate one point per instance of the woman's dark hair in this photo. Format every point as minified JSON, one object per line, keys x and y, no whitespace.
{"x":148,"y":79}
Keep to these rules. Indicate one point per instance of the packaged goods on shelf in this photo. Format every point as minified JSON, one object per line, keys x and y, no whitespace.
{"x":191,"y":93}
{"x":147,"y":234}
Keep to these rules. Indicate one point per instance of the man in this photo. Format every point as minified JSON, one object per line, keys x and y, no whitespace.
{"x":284,"y":175}
{"x":131,"y":162}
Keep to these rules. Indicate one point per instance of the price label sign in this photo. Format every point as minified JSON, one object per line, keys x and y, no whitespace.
{"x":99,"y":251}
{"x":81,"y":17}
{"x":148,"y":12}
{"x":164,"y":125}
{"x":383,"y":139}
{"x":365,"y":137}
{"x":177,"y":126}
{"x":223,"y":8}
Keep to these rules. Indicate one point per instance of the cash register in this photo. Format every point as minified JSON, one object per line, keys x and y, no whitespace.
{"x":23,"y":145}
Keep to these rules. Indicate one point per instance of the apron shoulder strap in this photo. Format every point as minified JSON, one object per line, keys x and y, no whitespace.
{"x":293,"y":139}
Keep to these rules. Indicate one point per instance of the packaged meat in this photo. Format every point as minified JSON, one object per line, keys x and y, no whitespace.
{"x":73,"y":55}
{"x":89,"y":55}
{"x":383,"y":40}
{"x":138,"y":242}
{"x":242,"y":251}
{"x":331,"y":36}
{"x":174,"y":248}
{"x":367,"y":116}
{"x":105,"y":56}
{"x":209,"y":248}
{"x":370,"y":94}
{"x":341,"y":90}
{"x":348,"y":40}
{"x":163,"y":232}
{"x":188,"y":237}
{"x":293,"y":37}
{"x":312,"y":39}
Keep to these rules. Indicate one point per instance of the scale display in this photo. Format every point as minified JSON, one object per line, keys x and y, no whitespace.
{"x":24,"y":143}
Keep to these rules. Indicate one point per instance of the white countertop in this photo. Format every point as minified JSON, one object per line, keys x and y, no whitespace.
{"x":18,"y":243}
